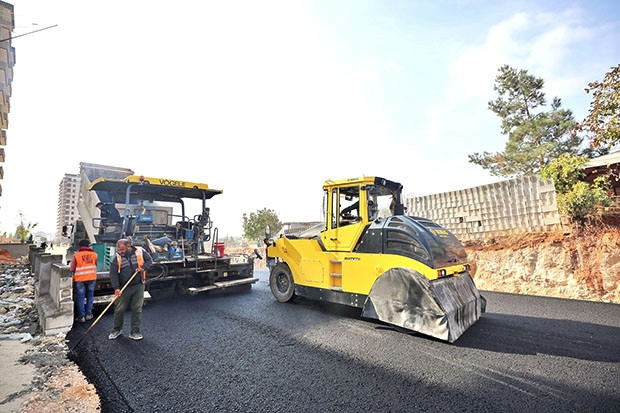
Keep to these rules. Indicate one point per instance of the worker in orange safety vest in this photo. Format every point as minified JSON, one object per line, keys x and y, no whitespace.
{"x":84,"y":268}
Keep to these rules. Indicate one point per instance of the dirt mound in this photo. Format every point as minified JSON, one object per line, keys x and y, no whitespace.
{"x":516,"y":241}
{"x":5,"y":256}
{"x":65,"y":391}
{"x":258,"y":262}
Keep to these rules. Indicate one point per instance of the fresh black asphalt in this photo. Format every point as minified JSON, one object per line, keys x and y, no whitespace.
{"x":245,"y":352}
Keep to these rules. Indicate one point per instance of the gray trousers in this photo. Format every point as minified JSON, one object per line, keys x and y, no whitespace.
{"x":132,"y":297}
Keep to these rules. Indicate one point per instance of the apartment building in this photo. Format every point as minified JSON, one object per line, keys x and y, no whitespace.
{"x":68,"y":198}
{"x":7,"y":61}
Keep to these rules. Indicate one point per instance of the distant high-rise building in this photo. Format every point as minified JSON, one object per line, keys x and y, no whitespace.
{"x":7,"y":61}
{"x":68,"y":198}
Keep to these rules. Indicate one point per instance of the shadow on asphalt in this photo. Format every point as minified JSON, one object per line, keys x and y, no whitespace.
{"x":515,"y":334}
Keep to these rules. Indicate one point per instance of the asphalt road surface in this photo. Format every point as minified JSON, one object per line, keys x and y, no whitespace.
{"x":245,"y":352}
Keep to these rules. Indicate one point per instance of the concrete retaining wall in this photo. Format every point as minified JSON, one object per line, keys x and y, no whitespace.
{"x":15,"y":249}
{"x":525,"y":204}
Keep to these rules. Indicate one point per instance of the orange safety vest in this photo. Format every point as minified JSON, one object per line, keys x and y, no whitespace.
{"x":86,"y":266}
{"x":139,"y":258}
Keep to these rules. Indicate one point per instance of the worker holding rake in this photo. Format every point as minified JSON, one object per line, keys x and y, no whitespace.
{"x":128,"y":261}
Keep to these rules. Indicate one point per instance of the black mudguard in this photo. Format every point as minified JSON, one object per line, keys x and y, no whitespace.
{"x":442,"y":308}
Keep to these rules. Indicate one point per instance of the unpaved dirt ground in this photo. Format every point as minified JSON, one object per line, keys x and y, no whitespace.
{"x":65,"y":391}
{"x":48,"y":380}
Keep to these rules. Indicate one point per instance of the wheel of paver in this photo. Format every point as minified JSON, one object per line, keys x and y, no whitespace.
{"x":281,"y":283}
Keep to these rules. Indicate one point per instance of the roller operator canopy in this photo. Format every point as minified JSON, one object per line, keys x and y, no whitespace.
{"x":381,"y":186}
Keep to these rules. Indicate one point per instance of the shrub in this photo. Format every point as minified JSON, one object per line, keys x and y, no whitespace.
{"x":565,"y":171}
{"x":581,"y":201}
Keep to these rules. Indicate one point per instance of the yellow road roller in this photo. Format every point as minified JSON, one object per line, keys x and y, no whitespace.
{"x":405,"y":271}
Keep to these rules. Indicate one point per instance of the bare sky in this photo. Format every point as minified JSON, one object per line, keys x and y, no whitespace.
{"x":266,"y":100}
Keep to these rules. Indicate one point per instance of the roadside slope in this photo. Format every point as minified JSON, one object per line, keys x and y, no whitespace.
{"x":583,"y":265}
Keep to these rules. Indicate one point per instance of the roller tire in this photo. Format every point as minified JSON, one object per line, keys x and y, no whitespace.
{"x":281,"y":283}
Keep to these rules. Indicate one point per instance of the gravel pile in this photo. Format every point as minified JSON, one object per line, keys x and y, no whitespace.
{"x":18,"y":313}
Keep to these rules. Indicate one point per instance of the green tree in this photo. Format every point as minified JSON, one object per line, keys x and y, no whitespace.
{"x":565,"y":171}
{"x":535,"y":137}
{"x":603,"y":120}
{"x":255,"y":224}
{"x":23,"y":230}
{"x":591,"y":152}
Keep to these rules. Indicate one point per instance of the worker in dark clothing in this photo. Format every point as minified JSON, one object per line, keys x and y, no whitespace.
{"x":350,"y":214}
{"x":353,"y":207}
{"x":109,"y":214}
{"x":125,"y":263}
{"x":271,"y":261}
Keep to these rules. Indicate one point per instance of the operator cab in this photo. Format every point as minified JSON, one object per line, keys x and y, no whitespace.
{"x":350,"y":205}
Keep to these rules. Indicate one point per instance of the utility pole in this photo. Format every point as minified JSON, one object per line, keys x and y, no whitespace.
{"x":24,"y":34}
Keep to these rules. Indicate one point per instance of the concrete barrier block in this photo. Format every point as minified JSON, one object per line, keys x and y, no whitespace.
{"x":65,"y":283}
{"x":43,"y":271}
{"x":51,"y":318}
{"x":66,"y":308}
{"x":35,"y":264}
{"x":56,"y":325}
{"x":65,"y":295}
{"x":33,"y":252}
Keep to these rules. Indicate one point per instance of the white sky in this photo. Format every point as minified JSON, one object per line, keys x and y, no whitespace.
{"x":266,"y":100}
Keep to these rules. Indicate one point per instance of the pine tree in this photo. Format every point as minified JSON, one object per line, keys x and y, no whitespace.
{"x":535,"y":137}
